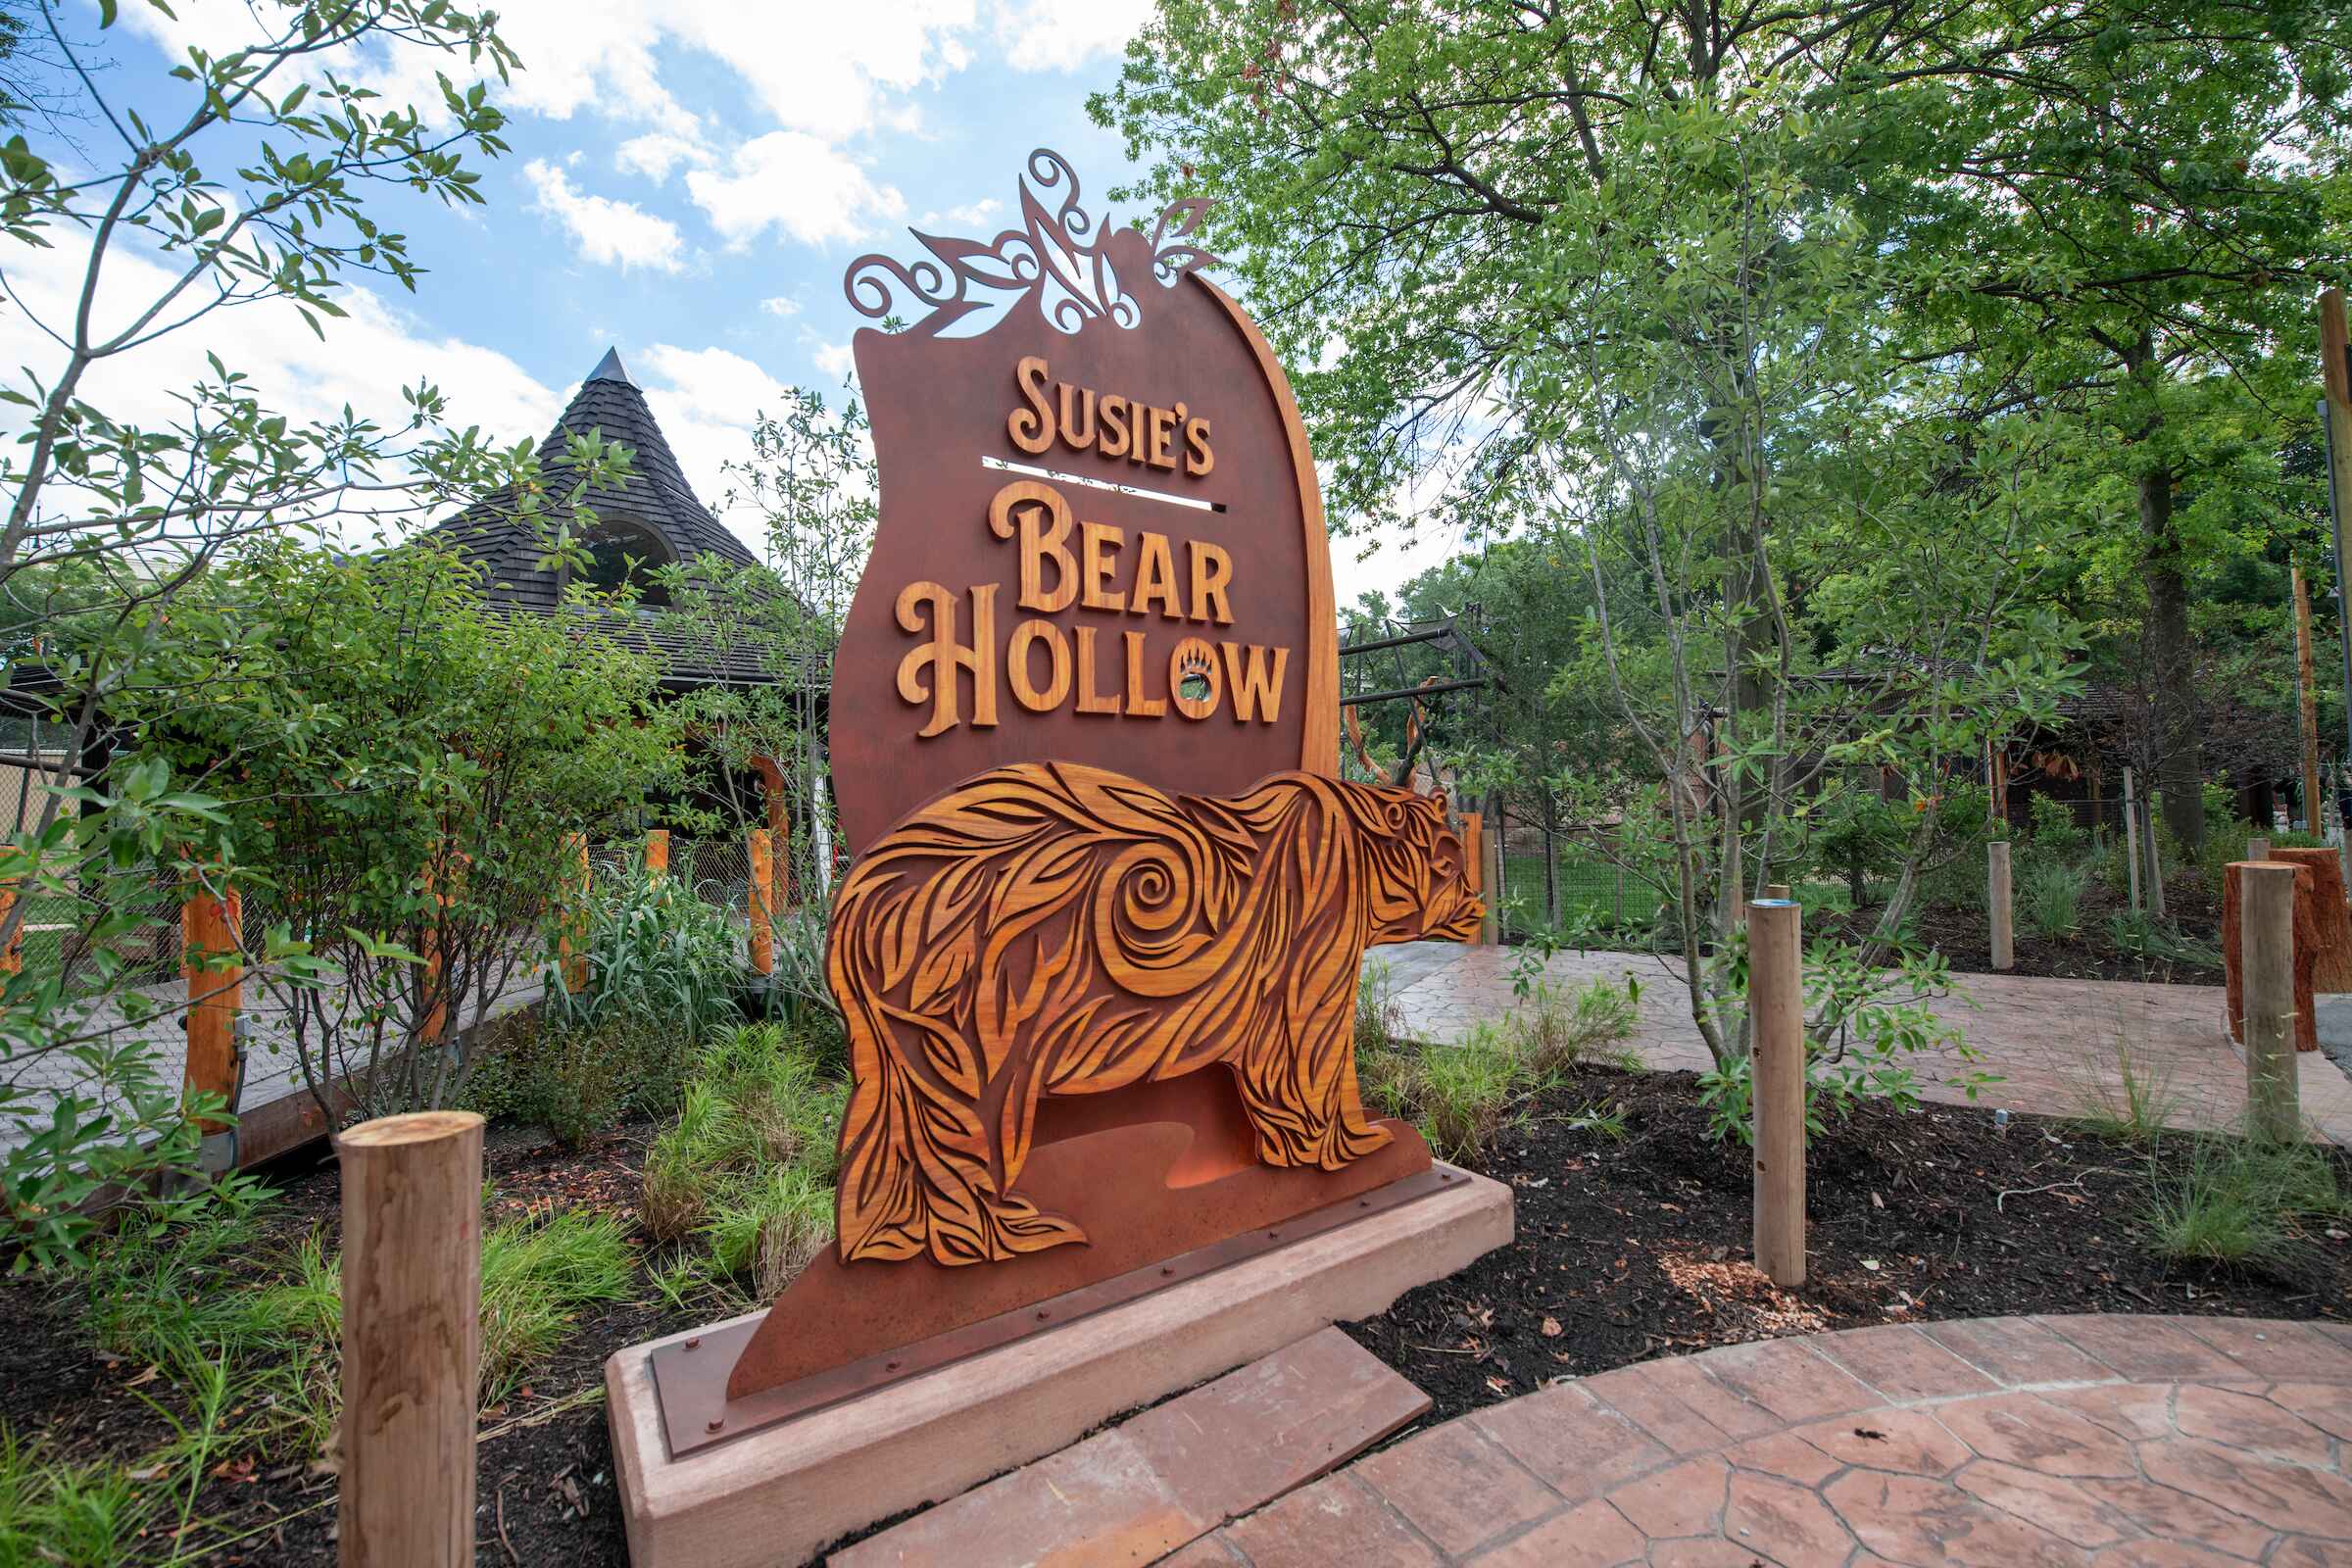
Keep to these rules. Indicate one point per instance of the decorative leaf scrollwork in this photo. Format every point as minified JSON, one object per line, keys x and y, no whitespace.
{"x":1063,"y":258}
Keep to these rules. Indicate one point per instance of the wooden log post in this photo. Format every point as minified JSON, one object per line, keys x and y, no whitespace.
{"x":2306,"y":953}
{"x":209,"y":923}
{"x":2331,"y":920}
{"x":758,"y":895}
{"x":657,"y":853}
{"x":2266,"y":963}
{"x":1499,"y":878}
{"x":2258,"y":849}
{"x":1776,"y":890}
{"x":2132,"y":837}
{"x":12,"y":954}
{"x":779,"y":827}
{"x":1776,"y":1003}
{"x":1474,"y":863}
{"x":412,"y":1339}
{"x":2148,"y":840}
{"x":571,"y":937}
{"x":1999,"y":906}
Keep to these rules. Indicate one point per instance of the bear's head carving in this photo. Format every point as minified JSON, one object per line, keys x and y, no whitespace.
{"x":1417,"y":882}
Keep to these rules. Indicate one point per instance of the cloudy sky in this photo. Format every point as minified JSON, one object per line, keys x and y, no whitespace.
{"x":687,"y":182}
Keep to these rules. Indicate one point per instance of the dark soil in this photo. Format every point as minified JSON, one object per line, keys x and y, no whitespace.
{"x":1635,"y":1246}
{"x":546,"y":1486}
{"x":1629,"y":1247}
{"x":1964,"y":936}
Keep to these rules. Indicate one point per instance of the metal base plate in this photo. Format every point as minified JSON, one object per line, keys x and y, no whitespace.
{"x":690,"y":1375}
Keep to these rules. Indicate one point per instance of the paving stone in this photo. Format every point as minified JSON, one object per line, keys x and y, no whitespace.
{"x":1911,"y":1441}
{"x":1789,"y":1524}
{"x":1725,"y":1408}
{"x":1665,"y":1417}
{"x":1281,"y":1421}
{"x":1915,"y":1520}
{"x":2273,"y":1349}
{"x":2170,"y":1515}
{"x":2162,"y":1555}
{"x":2248,"y":1421}
{"x":1785,"y":1378}
{"x":1579,"y":1447}
{"x":1711,"y":1553}
{"x":1457,"y":1487}
{"x":1592,"y":1534}
{"x":2021,"y":1429}
{"x":1209,"y":1551}
{"x":1337,"y":1520}
{"x":2326,"y":1405}
{"x":2284,"y":1497}
{"x":2301,"y":1551}
{"x":1685,"y":1501}
{"x":1787,"y":1455}
{"x":2016,"y":1351}
{"x":1165,"y":1475}
{"x":2128,"y":1409}
{"x":1903,"y":1364}
{"x":2053,"y":1503}
{"x":2144,"y":1348}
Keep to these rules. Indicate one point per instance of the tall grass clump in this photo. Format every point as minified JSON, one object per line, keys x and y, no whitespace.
{"x":747,"y":1170}
{"x":2241,"y":1202}
{"x":2049,"y":902}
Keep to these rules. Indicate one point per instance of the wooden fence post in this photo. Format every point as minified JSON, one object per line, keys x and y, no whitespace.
{"x":571,"y":938}
{"x":757,"y":898}
{"x":2308,"y":712}
{"x":412,"y":1339}
{"x":657,"y":853}
{"x":1500,"y":881}
{"x":2258,"y":849}
{"x":208,"y":930}
{"x":2132,"y":836}
{"x":12,"y":956}
{"x":2266,"y":960}
{"x":1776,"y":890}
{"x":1776,"y":1004}
{"x":2148,"y":807}
{"x":1998,"y":903}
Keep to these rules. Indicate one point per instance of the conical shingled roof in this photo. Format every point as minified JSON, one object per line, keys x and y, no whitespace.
{"x":656,"y":497}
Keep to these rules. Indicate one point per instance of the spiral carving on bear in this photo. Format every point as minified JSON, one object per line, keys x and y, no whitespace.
{"x":1049,"y":929}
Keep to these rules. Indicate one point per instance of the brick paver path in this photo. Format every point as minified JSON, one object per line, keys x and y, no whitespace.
{"x":2056,"y":1044}
{"x":2006,"y":1443}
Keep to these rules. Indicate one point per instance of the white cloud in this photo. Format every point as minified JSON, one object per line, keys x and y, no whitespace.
{"x":836,"y":360}
{"x":364,"y":361}
{"x":706,"y":400}
{"x":781,"y":304}
{"x":967,"y":220}
{"x":655,"y":153}
{"x":790,"y":181}
{"x":614,"y":232}
{"x":1065,"y":34}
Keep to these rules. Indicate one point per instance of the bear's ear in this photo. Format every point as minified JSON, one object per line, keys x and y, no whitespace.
{"x":1437,"y":798}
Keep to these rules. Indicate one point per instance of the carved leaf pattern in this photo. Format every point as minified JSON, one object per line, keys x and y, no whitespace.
{"x":1061,"y":257}
{"x":1052,"y":929}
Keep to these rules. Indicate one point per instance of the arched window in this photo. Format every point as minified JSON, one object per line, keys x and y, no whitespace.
{"x":620,"y":552}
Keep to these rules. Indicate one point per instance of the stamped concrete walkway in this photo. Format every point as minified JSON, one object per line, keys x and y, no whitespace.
{"x":2056,"y":1044}
{"x":1998,"y":1443}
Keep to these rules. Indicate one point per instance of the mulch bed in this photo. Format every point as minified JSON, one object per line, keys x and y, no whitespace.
{"x":1627,"y":1247}
{"x":1635,"y":1247}
{"x":1965,"y":938}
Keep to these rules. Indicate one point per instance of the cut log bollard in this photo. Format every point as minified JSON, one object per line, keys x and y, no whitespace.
{"x":2332,"y":921}
{"x":412,"y":1339}
{"x":2266,"y":909}
{"x":2132,"y":837}
{"x":2305,"y":952}
{"x":1776,"y":1004}
{"x":657,"y":853}
{"x":2258,"y":849}
{"x":1776,"y":890}
{"x":572,"y":940}
{"x":1998,"y":901}
{"x":756,"y":895}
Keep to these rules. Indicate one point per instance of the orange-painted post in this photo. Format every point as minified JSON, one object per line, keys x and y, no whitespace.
{"x":208,"y":926}
{"x":779,"y":827}
{"x":1474,"y":866}
{"x":657,"y":853}
{"x":572,"y":940}
{"x":12,"y":956}
{"x":436,"y":1017}
{"x":760,"y":894}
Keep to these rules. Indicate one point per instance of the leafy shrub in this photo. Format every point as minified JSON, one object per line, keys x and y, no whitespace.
{"x":802,"y":999}
{"x":1552,"y":1030}
{"x":1858,"y":837}
{"x":2056,"y":835}
{"x":578,"y":1082}
{"x":654,"y":954}
{"x":2049,"y":901}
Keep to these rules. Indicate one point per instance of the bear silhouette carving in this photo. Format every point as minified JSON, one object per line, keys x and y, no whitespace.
{"x":1048,"y":929}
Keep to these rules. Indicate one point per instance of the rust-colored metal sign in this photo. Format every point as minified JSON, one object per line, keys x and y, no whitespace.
{"x":1097,"y":956}
{"x":1101,"y":537}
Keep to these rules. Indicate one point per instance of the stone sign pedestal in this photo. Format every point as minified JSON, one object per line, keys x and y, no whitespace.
{"x":780,"y":1494}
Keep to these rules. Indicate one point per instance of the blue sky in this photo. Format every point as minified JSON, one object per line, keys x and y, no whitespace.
{"x":688,"y":181}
